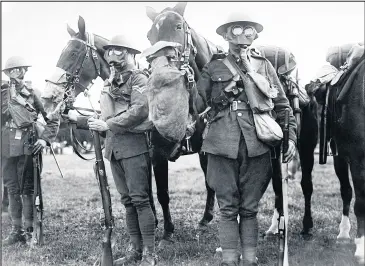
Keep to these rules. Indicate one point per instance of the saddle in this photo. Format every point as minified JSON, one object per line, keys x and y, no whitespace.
{"x":353,"y":57}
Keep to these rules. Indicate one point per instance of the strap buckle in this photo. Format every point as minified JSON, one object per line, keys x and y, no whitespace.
{"x":234,"y":106}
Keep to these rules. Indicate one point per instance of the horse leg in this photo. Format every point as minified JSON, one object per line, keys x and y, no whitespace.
{"x":160,"y":168}
{"x":5,"y":200}
{"x":341,"y":169}
{"x":209,"y":204}
{"x":276,"y":184}
{"x":150,"y":192}
{"x":358,"y":177}
{"x":307,"y":146}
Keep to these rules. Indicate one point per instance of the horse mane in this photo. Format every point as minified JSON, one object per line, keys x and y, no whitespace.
{"x":100,"y":42}
{"x":205,"y":49}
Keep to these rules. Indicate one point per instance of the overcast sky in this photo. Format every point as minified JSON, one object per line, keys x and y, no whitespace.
{"x":37,"y":30}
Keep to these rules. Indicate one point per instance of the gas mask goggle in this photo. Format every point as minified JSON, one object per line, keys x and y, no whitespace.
{"x":241,"y":35}
{"x":116,"y":56}
{"x":16,"y":73}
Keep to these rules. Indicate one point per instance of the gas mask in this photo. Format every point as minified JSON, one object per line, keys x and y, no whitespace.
{"x":117,"y":56}
{"x":242,"y":36}
{"x":16,"y":73}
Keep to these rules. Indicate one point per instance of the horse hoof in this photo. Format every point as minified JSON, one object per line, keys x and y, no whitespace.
{"x":207,"y":218}
{"x":165,"y":243}
{"x":306,"y":235}
{"x":343,"y":241}
{"x":166,"y":240}
{"x":360,"y":250}
{"x":269,"y":235}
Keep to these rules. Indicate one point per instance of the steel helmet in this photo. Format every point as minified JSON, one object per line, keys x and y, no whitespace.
{"x":16,"y":61}
{"x":238,"y":18}
{"x":122,"y":41}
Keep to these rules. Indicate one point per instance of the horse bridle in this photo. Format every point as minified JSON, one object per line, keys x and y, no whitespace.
{"x":73,"y":79}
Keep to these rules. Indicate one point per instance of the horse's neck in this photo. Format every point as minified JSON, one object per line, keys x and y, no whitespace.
{"x":100,"y":42}
{"x":205,"y":49}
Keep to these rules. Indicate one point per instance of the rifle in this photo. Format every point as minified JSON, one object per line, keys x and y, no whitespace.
{"x":323,"y":138}
{"x":293,"y":93}
{"x":37,"y":237}
{"x":283,"y":217}
{"x":107,"y":222}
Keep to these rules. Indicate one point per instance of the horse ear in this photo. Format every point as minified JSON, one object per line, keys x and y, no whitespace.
{"x":70,"y":31}
{"x":151,"y":13}
{"x":81,"y":25}
{"x":180,"y":8}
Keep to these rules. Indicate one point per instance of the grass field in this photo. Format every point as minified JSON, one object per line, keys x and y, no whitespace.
{"x":73,"y":234}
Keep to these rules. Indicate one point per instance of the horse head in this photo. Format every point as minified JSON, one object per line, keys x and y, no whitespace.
{"x":170,"y":26}
{"x":81,"y":61}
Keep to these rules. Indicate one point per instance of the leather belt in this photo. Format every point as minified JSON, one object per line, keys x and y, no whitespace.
{"x":12,"y":125}
{"x":239,"y":105}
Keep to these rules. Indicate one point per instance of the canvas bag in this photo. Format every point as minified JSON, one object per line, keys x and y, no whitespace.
{"x":267,"y":130}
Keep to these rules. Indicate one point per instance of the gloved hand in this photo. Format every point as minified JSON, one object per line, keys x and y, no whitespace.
{"x":38,"y":146}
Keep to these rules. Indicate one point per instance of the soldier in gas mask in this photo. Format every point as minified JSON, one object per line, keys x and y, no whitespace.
{"x":239,"y":162}
{"x":20,"y":109}
{"x":124,"y":110}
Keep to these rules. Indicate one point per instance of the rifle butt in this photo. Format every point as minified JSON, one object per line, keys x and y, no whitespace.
{"x":107,"y":257}
{"x":37,"y":237}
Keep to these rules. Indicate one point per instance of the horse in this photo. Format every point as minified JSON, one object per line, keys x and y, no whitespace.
{"x":170,"y":25}
{"x":346,"y":119}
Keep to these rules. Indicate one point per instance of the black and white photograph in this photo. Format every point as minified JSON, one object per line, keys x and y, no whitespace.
{"x":182,"y":133}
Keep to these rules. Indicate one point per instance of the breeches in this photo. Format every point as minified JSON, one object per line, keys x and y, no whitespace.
{"x":239,"y":183}
{"x":12,"y":169}
{"x":131,"y":179}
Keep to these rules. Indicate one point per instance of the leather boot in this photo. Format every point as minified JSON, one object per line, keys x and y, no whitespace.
{"x":16,"y":236}
{"x":15,"y":211}
{"x":149,"y":257}
{"x":28,"y":216}
{"x":133,"y":254}
{"x":230,"y":257}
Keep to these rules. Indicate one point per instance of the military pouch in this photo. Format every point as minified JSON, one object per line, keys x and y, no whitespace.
{"x":20,"y":115}
{"x":107,"y":103}
{"x":267,"y":130}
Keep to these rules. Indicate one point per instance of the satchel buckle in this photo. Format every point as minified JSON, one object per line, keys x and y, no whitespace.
{"x":234,"y":106}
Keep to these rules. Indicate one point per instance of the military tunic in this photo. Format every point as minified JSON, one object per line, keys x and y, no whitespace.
{"x":224,"y":134}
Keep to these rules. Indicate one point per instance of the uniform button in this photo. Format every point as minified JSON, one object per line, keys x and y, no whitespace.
{"x":239,"y":114}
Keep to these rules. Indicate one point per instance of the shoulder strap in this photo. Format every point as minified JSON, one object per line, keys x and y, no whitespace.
{"x":276,"y":59}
